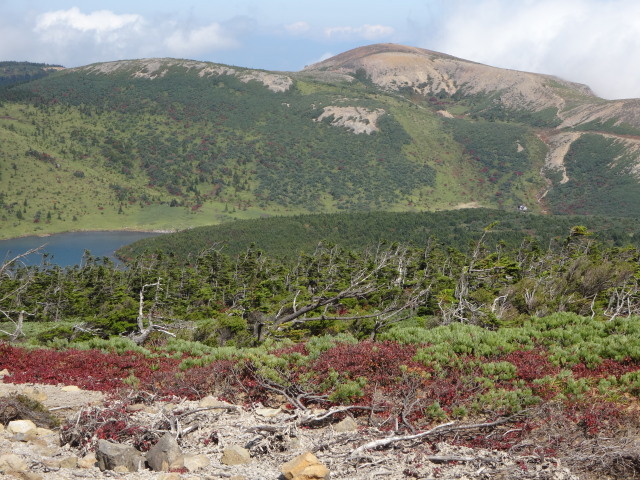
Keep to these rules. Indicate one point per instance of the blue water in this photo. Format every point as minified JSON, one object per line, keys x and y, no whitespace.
{"x":66,"y":249}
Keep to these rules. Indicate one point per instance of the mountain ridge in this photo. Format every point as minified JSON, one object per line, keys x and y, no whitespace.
{"x":165,"y":144}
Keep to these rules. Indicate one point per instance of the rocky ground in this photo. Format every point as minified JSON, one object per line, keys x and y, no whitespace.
{"x":217,"y":440}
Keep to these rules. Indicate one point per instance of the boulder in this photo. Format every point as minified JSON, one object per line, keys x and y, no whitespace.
{"x":305,"y":467}
{"x":22,"y":426}
{"x":88,"y":461}
{"x":196,"y":462}
{"x":235,"y":455}
{"x":10,"y":462}
{"x":165,"y":455}
{"x":23,"y":430}
{"x":114,"y":455}
{"x":45,"y":432}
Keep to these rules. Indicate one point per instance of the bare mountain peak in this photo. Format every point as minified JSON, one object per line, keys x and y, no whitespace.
{"x":396,"y":67}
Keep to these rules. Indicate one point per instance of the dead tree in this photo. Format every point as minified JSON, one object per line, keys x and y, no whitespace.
{"x":145,"y":330}
{"x":622,"y":301}
{"x":9,"y":314}
{"x":363,"y":282}
{"x":463,"y":309}
{"x":17,"y":332}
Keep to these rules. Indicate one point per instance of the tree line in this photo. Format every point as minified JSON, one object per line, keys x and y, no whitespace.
{"x":249,"y":298}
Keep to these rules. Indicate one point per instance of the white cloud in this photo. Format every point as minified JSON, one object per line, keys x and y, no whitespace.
{"x":589,"y":41}
{"x":297,"y":28}
{"x":199,"y":40}
{"x":100,"y":21}
{"x":73,"y":37}
{"x":368,"y":32}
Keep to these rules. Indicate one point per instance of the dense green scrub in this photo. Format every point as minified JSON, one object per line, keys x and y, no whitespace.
{"x":252,"y":296}
{"x":289,"y":236}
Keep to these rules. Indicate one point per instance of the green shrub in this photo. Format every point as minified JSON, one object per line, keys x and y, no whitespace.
{"x":349,"y":391}
{"x":505,"y":401}
{"x":317,"y":345}
{"x":435,"y":412}
{"x":117,"y":345}
{"x":631,"y":383}
{"x":500,"y":370}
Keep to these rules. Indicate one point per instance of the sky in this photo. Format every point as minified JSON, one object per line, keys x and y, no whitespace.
{"x":595,"y":42}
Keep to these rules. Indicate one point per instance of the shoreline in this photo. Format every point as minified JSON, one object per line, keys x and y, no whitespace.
{"x":132,"y":230}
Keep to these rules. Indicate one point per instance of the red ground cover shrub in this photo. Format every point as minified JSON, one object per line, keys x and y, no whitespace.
{"x":379,"y":362}
{"x":300,"y":348}
{"x":219,"y":378}
{"x":531,"y":364}
{"x":88,"y":369}
{"x":606,"y":368}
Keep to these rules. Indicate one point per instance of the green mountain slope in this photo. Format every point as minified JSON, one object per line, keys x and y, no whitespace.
{"x":168,"y":144}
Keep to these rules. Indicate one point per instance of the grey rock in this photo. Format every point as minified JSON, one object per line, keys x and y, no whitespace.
{"x":165,"y":455}
{"x":112,"y":455}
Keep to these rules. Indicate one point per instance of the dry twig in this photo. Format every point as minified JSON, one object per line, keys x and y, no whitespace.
{"x":439,"y":429}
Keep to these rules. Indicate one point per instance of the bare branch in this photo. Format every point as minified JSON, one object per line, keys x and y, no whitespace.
{"x":17,"y":333}
{"x":7,"y":263}
{"x":439,"y":429}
